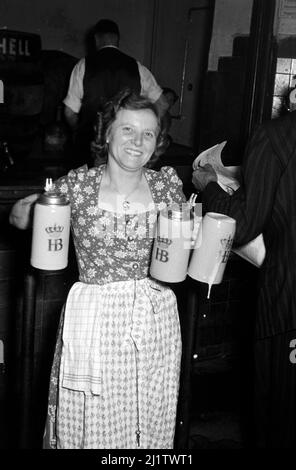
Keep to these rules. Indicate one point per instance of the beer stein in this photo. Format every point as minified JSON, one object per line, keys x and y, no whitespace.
{"x":172,"y":244}
{"x":211,"y":252}
{"x":51,"y":230}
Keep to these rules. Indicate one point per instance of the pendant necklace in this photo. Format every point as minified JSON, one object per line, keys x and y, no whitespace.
{"x":126,"y":203}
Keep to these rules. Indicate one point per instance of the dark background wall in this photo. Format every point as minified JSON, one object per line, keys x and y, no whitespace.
{"x":153,"y":31}
{"x":62,"y":23}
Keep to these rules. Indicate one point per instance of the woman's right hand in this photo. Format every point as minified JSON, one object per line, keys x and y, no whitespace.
{"x":20,"y":214}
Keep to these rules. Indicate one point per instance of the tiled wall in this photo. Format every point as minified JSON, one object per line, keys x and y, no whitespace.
{"x":285,"y":80}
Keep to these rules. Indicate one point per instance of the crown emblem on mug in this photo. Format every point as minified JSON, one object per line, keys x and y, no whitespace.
{"x":165,"y":242}
{"x":55,"y":229}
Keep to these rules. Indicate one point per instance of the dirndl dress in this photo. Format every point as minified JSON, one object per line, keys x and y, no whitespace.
{"x":115,"y":375}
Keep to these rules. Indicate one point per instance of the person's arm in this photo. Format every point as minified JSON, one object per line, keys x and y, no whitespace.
{"x":74,"y":96}
{"x":21,"y":213}
{"x":162,"y":105}
{"x":71,"y":117}
{"x":150,"y":89}
{"x":251,"y":205}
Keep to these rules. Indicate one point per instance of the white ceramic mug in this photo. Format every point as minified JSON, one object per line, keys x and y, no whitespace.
{"x":172,"y":244}
{"x":50,"y":237}
{"x":210,"y":255}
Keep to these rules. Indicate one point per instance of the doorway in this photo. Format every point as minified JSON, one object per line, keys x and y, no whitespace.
{"x":181,"y":43}
{"x":199,"y":27}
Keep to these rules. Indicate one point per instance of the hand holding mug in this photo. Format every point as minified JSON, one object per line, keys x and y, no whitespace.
{"x":20,"y":214}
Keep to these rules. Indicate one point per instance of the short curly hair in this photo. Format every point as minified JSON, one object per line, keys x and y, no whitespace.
{"x":126,"y":99}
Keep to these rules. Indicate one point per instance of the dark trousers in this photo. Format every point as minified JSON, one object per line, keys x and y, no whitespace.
{"x":275,"y":391}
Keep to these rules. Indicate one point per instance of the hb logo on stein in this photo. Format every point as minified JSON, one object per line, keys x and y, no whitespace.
{"x":55,"y":244}
{"x":161,"y":254}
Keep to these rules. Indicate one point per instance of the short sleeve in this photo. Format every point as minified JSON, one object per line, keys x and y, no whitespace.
{"x":75,"y":91}
{"x":173,"y":184}
{"x":70,"y":184}
{"x":149,"y":86}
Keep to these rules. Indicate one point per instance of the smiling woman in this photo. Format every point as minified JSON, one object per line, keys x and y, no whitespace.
{"x":115,"y":375}
{"x":133,"y":136}
{"x":131,"y":142}
{"x":126,"y":101}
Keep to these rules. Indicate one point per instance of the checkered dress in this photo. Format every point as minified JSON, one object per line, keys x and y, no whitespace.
{"x":115,"y":376}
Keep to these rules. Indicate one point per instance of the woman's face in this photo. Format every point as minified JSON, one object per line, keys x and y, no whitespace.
{"x":132,"y":138}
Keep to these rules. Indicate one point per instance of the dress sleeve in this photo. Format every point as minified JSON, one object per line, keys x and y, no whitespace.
{"x":173,"y":185}
{"x":251,"y":205}
{"x":70,"y":184}
{"x":75,"y":91}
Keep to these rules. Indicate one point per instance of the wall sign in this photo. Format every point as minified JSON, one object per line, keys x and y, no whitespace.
{"x":16,"y":46}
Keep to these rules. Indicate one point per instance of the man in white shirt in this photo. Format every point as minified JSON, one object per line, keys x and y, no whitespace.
{"x":98,"y":77}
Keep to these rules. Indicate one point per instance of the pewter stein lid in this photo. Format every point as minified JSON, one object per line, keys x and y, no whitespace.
{"x":53,"y":198}
{"x":178,"y":211}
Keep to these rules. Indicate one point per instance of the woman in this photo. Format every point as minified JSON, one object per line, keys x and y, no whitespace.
{"x":115,"y":375}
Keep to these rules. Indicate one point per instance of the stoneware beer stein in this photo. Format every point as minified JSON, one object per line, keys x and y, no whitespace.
{"x":172,"y":244}
{"x":212,"y":248}
{"x":51,"y":230}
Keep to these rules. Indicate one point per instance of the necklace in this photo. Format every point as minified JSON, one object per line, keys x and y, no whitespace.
{"x":126,"y":203}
